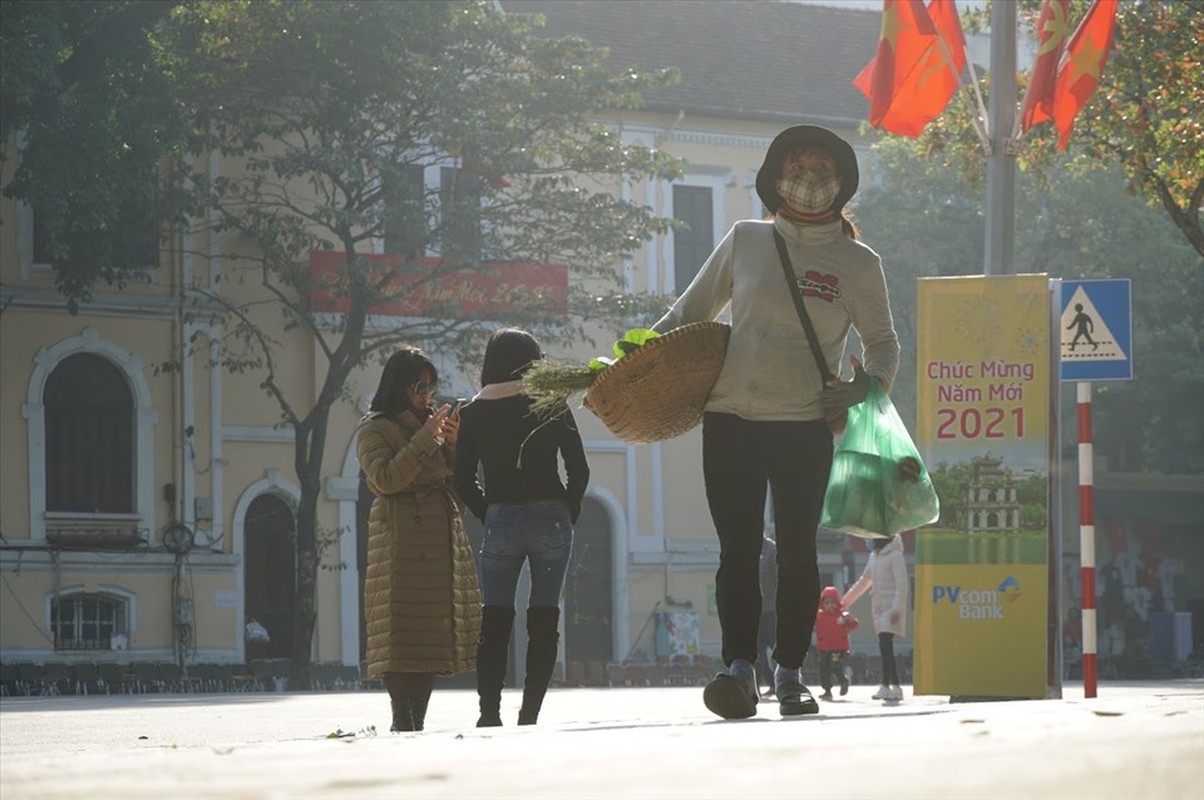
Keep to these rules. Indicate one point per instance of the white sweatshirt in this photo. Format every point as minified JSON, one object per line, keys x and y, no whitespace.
{"x":769,"y":372}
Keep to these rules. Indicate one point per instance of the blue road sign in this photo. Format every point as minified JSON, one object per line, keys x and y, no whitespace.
{"x":1097,"y":330}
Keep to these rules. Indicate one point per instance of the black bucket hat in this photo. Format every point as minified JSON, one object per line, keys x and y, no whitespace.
{"x":795,"y":138}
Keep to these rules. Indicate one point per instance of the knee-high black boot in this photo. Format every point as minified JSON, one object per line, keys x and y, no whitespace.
{"x":543,"y":634}
{"x":492,"y":649}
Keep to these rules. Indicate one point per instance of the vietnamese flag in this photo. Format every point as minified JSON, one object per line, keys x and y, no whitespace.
{"x":1081,"y":66}
{"x":909,"y":81}
{"x":1053,"y":29}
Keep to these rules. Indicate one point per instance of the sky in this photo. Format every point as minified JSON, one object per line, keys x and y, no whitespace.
{"x":979,"y":46}
{"x":876,"y":5}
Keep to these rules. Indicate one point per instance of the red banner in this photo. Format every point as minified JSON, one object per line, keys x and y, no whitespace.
{"x":416,"y":291}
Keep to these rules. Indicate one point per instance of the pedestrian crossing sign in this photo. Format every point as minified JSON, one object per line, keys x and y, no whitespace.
{"x":1096,"y":330}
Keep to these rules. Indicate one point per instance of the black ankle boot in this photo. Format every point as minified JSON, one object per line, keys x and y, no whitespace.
{"x":543,"y":634}
{"x":418,"y":710}
{"x":492,"y":651}
{"x":403,"y":720}
{"x":419,"y":686}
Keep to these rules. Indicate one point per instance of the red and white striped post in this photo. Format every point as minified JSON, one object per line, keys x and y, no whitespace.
{"x":1087,"y":538}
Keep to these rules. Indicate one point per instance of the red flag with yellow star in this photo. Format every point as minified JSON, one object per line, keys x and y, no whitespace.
{"x":1081,"y":66}
{"x":1053,"y":29}
{"x":913,"y":75}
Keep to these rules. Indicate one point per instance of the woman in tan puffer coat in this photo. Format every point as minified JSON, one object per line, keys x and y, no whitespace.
{"x":422,"y":602}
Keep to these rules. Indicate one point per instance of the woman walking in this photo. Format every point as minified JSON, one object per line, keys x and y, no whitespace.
{"x":528,"y":514}
{"x":769,"y":417}
{"x":422,"y":602}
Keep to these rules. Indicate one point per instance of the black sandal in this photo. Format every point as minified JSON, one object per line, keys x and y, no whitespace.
{"x":795,"y":700}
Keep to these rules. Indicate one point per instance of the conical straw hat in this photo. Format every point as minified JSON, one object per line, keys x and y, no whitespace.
{"x":658,"y":391}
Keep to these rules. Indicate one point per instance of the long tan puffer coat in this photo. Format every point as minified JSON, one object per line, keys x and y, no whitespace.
{"x":422,"y":600}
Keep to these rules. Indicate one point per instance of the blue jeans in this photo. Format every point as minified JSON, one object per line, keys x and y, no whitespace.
{"x":540,"y":532}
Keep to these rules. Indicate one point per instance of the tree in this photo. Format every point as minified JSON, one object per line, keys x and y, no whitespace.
{"x":1145,"y":116}
{"x":1075,"y":220}
{"x":1099,"y":210}
{"x":335,"y":112}
{"x":1148,"y":117}
{"x":78,"y":81}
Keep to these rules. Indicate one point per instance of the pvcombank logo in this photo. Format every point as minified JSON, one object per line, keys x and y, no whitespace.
{"x":979,"y":604}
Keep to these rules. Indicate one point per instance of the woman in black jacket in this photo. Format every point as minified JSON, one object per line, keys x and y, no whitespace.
{"x":528,"y":514}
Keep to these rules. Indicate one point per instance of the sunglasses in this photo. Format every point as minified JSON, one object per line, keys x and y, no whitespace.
{"x":422,"y":387}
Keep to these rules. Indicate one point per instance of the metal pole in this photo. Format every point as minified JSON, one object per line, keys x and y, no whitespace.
{"x":1055,"y":612}
{"x":1001,"y":163}
{"x":1087,"y":538}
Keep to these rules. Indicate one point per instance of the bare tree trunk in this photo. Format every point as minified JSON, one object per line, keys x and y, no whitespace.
{"x":310,"y":444}
{"x":305,"y":613}
{"x":309,"y":453}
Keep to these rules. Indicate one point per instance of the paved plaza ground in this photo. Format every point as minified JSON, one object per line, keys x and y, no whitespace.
{"x":1136,"y":740}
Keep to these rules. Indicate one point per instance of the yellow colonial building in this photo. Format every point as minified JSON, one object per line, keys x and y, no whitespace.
{"x":159,"y":542}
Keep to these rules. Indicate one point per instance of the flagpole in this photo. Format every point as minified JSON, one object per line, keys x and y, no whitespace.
{"x":978,"y":115}
{"x":981,"y":120}
{"x":1001,"y":163}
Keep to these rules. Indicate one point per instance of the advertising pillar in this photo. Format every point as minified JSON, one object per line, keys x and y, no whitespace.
{"x":983,"y":426}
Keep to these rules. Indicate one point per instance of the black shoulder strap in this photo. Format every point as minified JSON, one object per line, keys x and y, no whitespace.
{"x":797,"y":296}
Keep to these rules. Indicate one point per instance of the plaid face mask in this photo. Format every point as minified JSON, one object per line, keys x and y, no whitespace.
{"x":809,"y":192}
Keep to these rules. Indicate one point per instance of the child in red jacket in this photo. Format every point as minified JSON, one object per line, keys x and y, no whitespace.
{"x":832,"y":626}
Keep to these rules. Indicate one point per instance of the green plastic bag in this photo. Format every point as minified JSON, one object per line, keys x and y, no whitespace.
{"x":878,"y":485}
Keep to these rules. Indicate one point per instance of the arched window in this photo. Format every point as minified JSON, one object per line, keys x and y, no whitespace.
{"x":270,"y":570}
{"x":89,"y":437}
{"x":589,"y":591}
{"x":90,"y":621}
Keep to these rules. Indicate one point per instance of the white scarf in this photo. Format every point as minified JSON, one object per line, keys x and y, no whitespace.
{"x":497,"y":391}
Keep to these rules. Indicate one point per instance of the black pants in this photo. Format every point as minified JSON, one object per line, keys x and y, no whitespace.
{"x":886,"y":649}
{"x":766,"y":630}
{"x":831,"y":667}
{"x":740,"y":461}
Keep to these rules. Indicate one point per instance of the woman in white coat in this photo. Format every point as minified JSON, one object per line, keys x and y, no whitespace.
{"x":886,"y":574}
